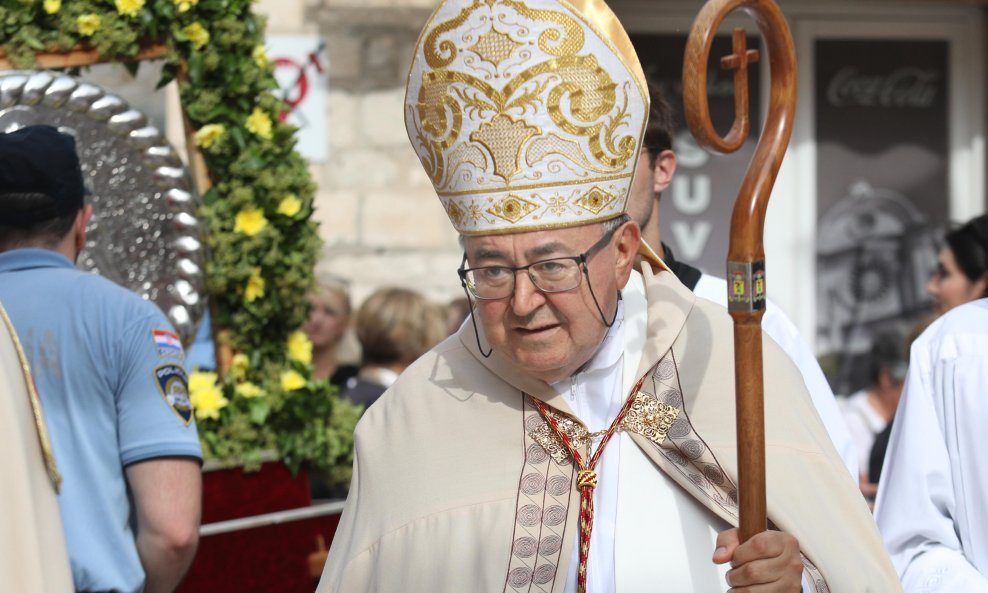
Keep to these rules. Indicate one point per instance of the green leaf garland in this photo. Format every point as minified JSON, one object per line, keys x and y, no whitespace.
{"x":263,"y":244}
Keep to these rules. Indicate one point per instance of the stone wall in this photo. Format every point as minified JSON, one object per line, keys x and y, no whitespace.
{"x":379,"y":217}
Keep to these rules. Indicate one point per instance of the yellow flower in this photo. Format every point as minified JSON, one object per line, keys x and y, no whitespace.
{"x":255,"y":286}
{"x":185,"y":5}
{"x":88,"y":24}
{"x":239,"y":365}
{"x":289,"y":205}
{"x":259,"y":123}
{"x":129,"y":7}
{"x":250,"y":221}
{"x":201,"y":380}
{"x":206,"y":396}
{"x":248,"y":390}
{"x":208,"y":134}
{"x":300,"y":348}
{"x":292,"y":381}
{"x":260,"y":56}
{"x":53,"y":6}
{"x":196,"y":34}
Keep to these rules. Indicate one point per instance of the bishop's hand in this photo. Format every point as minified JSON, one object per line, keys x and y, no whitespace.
{"x":769,"y":562}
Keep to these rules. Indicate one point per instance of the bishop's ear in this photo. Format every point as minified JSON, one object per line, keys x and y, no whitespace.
{"x":626,"y":238}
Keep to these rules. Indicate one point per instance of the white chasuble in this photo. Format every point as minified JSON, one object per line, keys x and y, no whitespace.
{"x":646,"y":528}
{"x":460,"y":485}
{"x":664,"y":535}
{"x":931,"y":506}
{"x":33,"y":557}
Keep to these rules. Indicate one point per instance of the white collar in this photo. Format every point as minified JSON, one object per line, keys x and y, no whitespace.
{"x":607,"y":355}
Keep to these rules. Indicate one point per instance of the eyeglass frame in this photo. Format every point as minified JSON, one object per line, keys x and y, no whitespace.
{"x":581,"y":260}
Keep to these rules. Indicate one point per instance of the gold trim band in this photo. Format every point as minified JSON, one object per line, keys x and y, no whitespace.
{"x":39,"y":418}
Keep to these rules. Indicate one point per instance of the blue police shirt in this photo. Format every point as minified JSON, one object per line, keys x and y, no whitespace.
{"x":110,"y":374}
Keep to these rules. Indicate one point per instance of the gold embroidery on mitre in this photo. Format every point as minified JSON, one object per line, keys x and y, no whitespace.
{"x":512,"y":208}
{"x":495,"y":47}
{"x":595,"y":200}
{"x":474,"y":212}
{"x":551,"y":145}
{"x":455,"y":213}
{"x":509,"y":95}
{"x":649,"y":417}
{"x":557,"y":203}
{"x":467,"y":161}
{"x":503,"y":137}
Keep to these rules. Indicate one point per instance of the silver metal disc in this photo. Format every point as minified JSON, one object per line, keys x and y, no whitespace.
{"x":144,"y":234}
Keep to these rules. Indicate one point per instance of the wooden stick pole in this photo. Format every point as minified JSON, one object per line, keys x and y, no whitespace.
{"x":746,"y":254}
{"x":83,"y":56}
{"x":201,"y":176}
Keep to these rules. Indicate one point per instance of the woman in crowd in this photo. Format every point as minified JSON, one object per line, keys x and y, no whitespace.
{"x":961,"y":276}
{"x":394,"y":326}
{"x":329,"y":318}
{"x":962,"y":267}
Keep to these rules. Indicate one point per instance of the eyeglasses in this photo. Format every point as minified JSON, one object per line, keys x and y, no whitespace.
{"x":558,"y":274}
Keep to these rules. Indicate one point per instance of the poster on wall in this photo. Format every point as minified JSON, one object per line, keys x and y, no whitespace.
{"x":300,"y":67}
{"x":881,"y":121}
{"x":696,"y":209}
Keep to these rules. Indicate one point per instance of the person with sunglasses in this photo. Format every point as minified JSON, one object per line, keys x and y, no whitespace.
{"x":577,"y":433}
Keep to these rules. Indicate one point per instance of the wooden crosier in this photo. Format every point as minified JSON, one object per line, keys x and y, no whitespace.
{"x":746,"y":253}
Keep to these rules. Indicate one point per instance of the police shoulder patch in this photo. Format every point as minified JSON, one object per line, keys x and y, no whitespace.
{"x":173,"y":384}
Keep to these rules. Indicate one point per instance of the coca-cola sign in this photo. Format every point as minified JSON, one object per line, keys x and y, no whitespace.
{"x":882,"y":187}
{"x":907,"y":86}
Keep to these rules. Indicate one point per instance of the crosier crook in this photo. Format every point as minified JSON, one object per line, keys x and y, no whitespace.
{"x":746,"y":253}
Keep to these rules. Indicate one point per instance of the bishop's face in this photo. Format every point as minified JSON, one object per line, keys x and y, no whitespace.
{"x":551,"y":335}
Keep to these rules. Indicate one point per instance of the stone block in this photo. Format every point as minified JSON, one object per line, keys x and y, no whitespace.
{"x":382,"y":120}
{"x":432,"y":273}
{"x":342,"y":121}
{"x":345,"y":55}
{"x":284,"y":16}
{"x":338,"y":215}
{"x":380,"y":51}
{"x":414,"y":174}
{"x":391,"y":4}
{"x":401,"y":219}
{"x":360,"y":168}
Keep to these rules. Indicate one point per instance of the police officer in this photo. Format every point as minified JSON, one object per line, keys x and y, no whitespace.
{"x":110,"y":374}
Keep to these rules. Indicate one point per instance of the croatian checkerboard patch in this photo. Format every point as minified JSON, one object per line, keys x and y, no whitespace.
{"x":174,"y":387}
{"x":167,"y":343}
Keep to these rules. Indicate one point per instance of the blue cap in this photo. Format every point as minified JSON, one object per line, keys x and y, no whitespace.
{"x":40,"y":177}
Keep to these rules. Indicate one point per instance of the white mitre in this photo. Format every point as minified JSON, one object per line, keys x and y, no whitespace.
{"x":527,"y":114}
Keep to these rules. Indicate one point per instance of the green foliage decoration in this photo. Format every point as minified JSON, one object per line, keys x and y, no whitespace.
{"x":263,"y":244}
